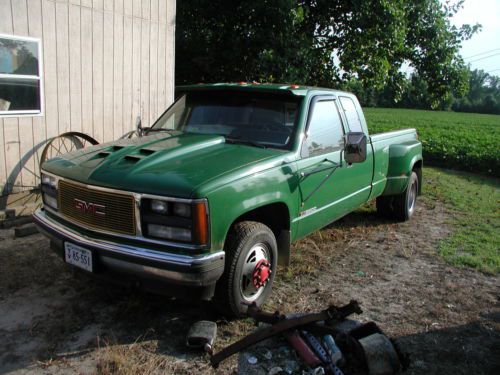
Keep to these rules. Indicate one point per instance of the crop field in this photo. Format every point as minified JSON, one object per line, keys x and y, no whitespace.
{"x":463,"y":141}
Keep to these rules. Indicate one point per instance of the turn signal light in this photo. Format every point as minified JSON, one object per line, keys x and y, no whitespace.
{"x":200,"y":218}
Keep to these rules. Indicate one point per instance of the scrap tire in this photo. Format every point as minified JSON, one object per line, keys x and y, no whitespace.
{"x":245,"y":242}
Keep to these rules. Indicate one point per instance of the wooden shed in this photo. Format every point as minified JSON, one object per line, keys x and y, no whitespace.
{"x":90,"y":66}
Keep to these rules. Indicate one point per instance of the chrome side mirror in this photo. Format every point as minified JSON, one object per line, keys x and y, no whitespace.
{"x":355,"y":147}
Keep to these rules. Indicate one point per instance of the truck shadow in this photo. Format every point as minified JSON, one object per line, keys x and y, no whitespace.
{"x":364,"y":217}
{"x":464,"y":349}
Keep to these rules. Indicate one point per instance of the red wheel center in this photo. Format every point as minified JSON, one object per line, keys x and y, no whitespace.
{"x":261,"y":273}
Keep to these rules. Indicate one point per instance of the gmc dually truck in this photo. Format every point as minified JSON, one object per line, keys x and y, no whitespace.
{"x":206,"y":203}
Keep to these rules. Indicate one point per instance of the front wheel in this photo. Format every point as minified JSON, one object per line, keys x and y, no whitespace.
{"x":251,"y":259}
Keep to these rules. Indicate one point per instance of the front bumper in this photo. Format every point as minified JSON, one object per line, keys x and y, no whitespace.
{"x":137,"y":263}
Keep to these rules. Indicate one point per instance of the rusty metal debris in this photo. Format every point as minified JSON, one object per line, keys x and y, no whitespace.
{"x":282,"y":324}
{"x":202,"y":334}
{"x":325,"y":339}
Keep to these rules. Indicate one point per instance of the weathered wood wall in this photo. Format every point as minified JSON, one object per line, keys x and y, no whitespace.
{"x":104,"y":63}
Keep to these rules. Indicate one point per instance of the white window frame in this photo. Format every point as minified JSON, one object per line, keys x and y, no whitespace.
{"x":39,"y":77}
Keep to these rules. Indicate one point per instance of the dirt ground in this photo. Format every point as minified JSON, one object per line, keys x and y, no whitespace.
{"x":57,"y":321}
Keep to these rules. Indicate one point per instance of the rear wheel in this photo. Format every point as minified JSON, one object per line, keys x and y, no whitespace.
{"x":404,"y":203}
{"x":401,"y":206}
{"x":251,"y":259}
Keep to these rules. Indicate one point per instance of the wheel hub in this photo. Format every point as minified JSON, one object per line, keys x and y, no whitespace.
{"x":261,"y":273}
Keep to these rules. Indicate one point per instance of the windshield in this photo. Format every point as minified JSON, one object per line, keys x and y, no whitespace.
{"x":255,"y":118}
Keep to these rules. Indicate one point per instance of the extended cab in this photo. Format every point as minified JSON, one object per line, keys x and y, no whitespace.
{"x":207,"y":201}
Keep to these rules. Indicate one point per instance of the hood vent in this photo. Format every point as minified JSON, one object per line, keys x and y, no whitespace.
{"x":132,"y":158}
{"x":106,"y":152}
{"x":146,"y":151}
{"x":138,"y":155}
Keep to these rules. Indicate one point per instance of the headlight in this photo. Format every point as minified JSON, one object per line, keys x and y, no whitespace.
{"x":182,"y":209}
{"x":175,"y":221}
{"x":49,"y":191}
{"x":49,"y":181}
{"x":159,"y":207}
{"x":172,"y":233}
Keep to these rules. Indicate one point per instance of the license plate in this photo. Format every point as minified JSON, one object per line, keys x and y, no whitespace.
{"x":78,"y":256}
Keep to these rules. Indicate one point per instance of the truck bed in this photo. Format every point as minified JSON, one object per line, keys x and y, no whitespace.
{"x":394,"y":154}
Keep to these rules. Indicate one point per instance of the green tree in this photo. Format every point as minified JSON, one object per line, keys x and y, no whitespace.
{"x":483,"y":95}
{"x":322,"y":42}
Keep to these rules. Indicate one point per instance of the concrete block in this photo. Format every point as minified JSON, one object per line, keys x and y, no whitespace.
{"x":25,"y":230}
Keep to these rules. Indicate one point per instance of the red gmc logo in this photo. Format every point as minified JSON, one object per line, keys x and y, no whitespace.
{"x":90,"y":208}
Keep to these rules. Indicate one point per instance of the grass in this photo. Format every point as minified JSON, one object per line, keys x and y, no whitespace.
{"x":463,"y":141}
{"x":474,"y":202}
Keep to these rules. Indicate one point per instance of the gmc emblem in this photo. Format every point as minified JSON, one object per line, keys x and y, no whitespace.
{"x":90,"y":208}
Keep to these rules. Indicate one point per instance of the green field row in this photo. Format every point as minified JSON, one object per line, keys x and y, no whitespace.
{"x":464,"y":141}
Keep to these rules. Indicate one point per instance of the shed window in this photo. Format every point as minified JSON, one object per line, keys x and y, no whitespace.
{"x":20,"y":76}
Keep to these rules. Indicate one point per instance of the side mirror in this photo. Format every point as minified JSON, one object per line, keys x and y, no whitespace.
{"x":138,"y":126}
{"x":355,"y":147}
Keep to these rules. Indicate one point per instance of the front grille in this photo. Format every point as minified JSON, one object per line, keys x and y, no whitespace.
{"x":97,"y":209}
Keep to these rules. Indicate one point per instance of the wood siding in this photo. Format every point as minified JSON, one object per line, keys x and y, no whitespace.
{"x":103,"y":63}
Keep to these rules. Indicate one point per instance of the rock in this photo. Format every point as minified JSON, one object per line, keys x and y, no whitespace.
{"x":291,"y":367}
{"x":275,"y":371}
{"x":268,"y":354}
{"x":316,"y":371}
{"x":252,"y":360}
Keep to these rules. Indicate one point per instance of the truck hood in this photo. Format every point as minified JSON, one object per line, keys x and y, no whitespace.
{"x":172,"y":164}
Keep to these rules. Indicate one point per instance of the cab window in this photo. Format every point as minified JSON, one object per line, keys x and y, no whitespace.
{"x":325,"y":133}
{"x":351,"y":114}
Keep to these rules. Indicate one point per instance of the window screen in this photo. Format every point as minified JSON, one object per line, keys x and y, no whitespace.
{"x":351,"y":114}
{"x":20,"y":91}
{"x":325,"y":132}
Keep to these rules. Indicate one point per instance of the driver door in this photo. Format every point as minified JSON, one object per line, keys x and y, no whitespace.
{"x":323,"y":182}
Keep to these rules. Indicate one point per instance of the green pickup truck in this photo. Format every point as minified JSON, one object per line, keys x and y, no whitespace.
{"x":206,"y":202}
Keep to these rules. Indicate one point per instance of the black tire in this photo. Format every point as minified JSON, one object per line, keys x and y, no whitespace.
{"x":403,"y":204}
{"x":384,"y":206}
{"x":248,"y":243}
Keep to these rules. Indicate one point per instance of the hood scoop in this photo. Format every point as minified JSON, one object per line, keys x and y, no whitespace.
{"x":139,"y":155}
{"x":132,"y":158}
{"x":146,"y":151}
{"x":104,"y":153}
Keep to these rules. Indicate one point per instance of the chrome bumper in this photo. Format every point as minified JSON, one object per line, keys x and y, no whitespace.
{"x":195,"y":271}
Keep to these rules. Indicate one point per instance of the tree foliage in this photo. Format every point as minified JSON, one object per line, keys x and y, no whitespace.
{"x":483,"y":95}
{"x":322,"y":42}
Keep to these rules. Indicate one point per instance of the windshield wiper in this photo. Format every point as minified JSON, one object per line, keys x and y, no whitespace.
{"x":244,"y":142}
{"x":159,"y":130}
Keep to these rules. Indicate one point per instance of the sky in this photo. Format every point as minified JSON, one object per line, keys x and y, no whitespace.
{"x":482,"y":51}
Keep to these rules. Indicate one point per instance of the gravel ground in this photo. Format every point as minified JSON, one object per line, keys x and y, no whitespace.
{"x":54,"y":320}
